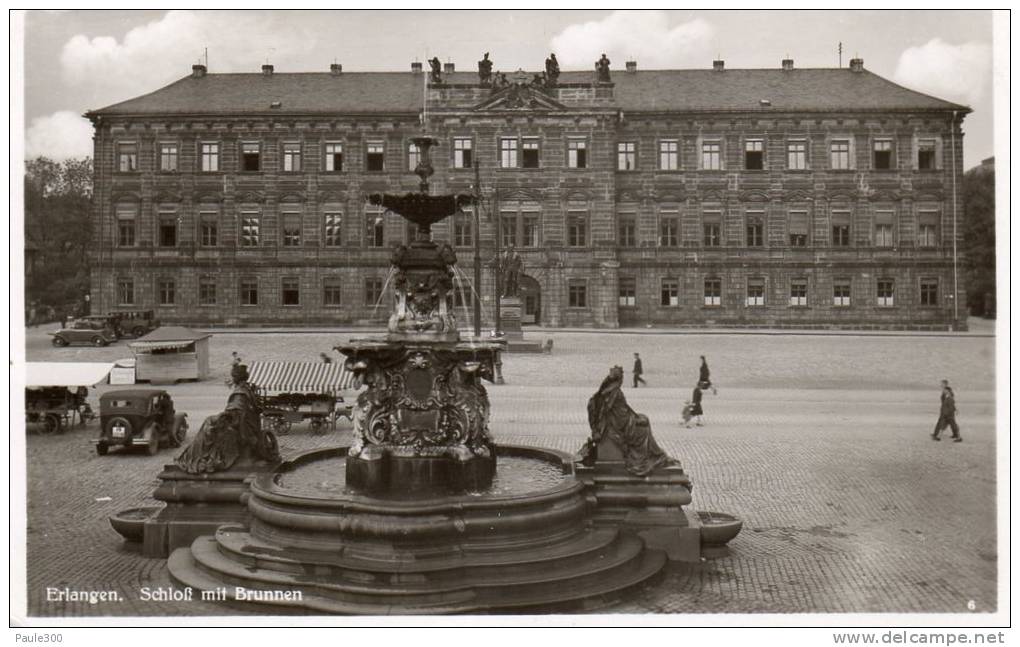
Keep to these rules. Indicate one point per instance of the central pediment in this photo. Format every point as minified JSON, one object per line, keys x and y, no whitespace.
{"x":520,"y":96}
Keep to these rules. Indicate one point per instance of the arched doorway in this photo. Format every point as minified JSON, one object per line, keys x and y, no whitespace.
{"x":531,"y":301}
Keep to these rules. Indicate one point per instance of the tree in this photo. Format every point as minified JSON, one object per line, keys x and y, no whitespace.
{"x":979,"y":238}
{"x":58,"y":232}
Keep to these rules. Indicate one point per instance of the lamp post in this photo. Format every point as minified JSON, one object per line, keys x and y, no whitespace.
{"x":478,"y":256}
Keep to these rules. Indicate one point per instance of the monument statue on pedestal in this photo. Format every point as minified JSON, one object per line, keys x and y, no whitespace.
{"x":611,"y":418}
{"x":602,"y":69}
{"x":233,"y":436}
{"x":511,"y":266}
{"x":485,"y":70}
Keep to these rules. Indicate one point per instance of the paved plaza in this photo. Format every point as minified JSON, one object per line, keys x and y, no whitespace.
{"x":818,"y":442}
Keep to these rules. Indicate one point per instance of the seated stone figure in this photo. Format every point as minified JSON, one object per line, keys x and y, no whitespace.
{"x":233,"y":437}
{"x":612,"y":419}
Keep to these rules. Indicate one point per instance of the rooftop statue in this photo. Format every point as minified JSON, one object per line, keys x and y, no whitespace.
{"x":602,"y":69}
{"x":436,"y":70}
{"x":552,"y":70}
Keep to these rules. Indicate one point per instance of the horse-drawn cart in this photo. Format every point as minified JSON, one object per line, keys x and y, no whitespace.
{"x":292,"y":392}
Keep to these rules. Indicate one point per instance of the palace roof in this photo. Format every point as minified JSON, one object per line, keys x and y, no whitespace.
{"x":702,"y":90}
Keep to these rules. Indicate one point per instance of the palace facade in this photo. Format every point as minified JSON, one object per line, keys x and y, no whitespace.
{"x":717,"y":197}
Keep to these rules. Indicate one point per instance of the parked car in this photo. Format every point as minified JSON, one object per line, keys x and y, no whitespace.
{"x":139,"y":418}
{"x":85,"y":330}
{"x":134,"y":323}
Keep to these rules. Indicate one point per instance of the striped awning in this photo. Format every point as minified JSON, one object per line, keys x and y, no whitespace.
{"x":161,"y":345}
{"x":300,"y":377}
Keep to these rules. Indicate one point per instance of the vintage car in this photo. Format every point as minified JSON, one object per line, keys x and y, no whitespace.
{"x":133,"y":323}
{"x":85,"y":330}
{"x":139,"y":418}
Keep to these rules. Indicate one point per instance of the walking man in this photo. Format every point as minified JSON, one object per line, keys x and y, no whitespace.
{"x":638,"y":370}
{"x":947,"y":414}
{"x":704,"y":380}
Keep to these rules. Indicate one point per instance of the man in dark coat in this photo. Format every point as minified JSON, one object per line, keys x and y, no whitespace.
{"x":638,"y":370}
{"x":693,"y":408}
{"x":704,"y":379}
{"x":947,"y":414}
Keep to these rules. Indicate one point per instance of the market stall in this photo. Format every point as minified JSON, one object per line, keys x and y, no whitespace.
{"x":171,"y":353}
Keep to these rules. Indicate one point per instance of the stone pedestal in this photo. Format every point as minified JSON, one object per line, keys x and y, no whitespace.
{"x":651,"y":506}
{"x":196,"y":505}
{"x":510,"y":309}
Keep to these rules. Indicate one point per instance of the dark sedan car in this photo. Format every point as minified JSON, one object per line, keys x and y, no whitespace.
{"x":85,"y":330}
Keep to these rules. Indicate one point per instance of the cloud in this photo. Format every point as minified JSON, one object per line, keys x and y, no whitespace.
{"x":643,"y":36}
{"x":156,"y":53}
{"x":957,"y":72}
{"x":59,"y":136}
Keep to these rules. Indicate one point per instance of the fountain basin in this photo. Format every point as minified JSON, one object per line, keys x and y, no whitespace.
{"x":130,"y":523}
{"x":717,"y":529}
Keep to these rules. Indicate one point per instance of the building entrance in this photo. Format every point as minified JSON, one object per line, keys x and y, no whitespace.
{"x":531,"y":300}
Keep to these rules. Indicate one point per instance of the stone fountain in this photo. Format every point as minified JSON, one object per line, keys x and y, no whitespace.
{"x":415,"y":516}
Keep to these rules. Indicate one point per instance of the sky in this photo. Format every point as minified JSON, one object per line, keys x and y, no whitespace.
{"x":81,"y":60}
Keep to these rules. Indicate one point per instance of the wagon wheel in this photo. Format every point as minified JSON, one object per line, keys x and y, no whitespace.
{"x":318,"y":425}
{"x":51,"y":424}
{"x":281,"y":426}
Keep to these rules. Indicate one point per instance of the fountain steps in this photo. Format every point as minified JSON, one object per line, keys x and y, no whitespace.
{"x":620,"y":563}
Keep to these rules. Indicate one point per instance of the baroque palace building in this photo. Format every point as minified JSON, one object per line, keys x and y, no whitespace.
{"x":712,"y":197}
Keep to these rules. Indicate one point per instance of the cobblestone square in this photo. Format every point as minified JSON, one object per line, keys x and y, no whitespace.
{"x":818,"y":442}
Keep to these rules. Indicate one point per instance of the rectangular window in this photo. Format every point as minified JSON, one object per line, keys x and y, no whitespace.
{"x":529,"y":154}
{"x":333,"y":236}
{"x":839,"y":154}
{"x":529,"y":230}
{"x":168,"y":157}
{"x":577,"y":153}
{"x":796,"y":155}
{"x":669,"y":155}
{"x":577,"y":229}
{"x":669,"y":295}
{"x":373,"y":291}
{"x":250,"y":229}
{"x":628,"y":291}
{"x":626,"y":156}
{"x":168,"y":230}
{"x":755,"y":292}
{"x":210,"y":157}
{"x":207,"y":291}
{"x":577,"y":294}
{"x":125,"y":292}
{"x":926,"y":154}
{"x":712,"y":230}
{"x":126,"y":218}
{"x":249,"y":291}
{"x":413,"y":156}
{"x":713,"y":292}
{"x":508,"y":152}
{"x":251,"y":157}
{"x":755,"y":229}
{"x":127,"y":157}
{"x":166,"y":292}
{"x":669,"y":231}
{"x":884,"y":229}
{"x":291,"y":229}
{"x":332,"y":288}
{"x":711,"y":155}
{"x":462,"y":148}
{"x":840,"y":229}
{"x":927,"y":229}
{"x":627,"y":231}
{"x":334,"y":157}
{"x":929,"y":292}
{"x":463,"y":226}
{"x":375,"y":156}
{"x":375,"y":228}
{"x":754,"y":155}
{"x":508,"y":231}
{"x":798,"y":292}
{"x":885,"y":288}
{"x":841,"y":293}
{"x":882,"y":154}
{"x":290,"y":292}
{"x":208,"y":226}
{"x":798,"y":226}
{"x":292,"y":157}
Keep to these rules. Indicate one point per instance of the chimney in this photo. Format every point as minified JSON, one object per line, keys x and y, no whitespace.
{"x":335,"y":69}
{"x":631,"y":66}
{"x":267,"y":70}
{"x":718,"y":65}
{"x":448,"y":68}
{"x":787,"y":64}
{"x":857,"y":65}
{"x":416,"y":66}
{"x":197,"y":71}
